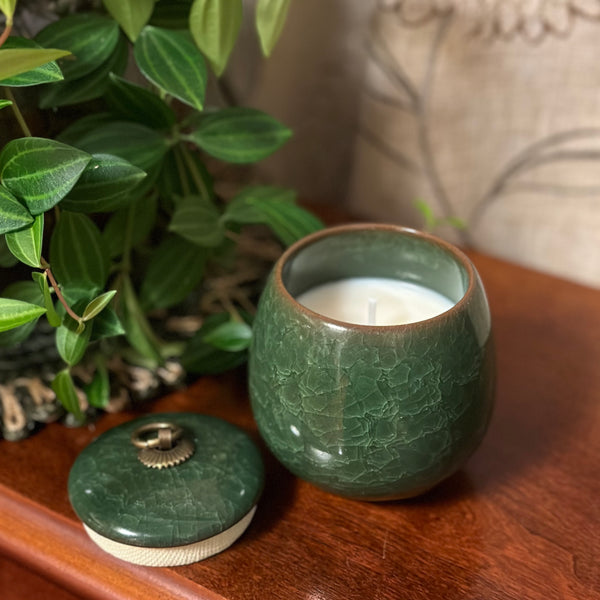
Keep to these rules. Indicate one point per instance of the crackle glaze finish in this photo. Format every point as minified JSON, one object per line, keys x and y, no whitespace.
{"x":118,"y":497}
{"x":372,"y":412}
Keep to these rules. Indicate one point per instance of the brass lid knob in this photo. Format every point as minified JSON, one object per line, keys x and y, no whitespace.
{"x":162,"y":445}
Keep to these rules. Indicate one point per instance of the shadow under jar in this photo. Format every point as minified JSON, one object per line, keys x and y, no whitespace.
{"x":372,"y":412}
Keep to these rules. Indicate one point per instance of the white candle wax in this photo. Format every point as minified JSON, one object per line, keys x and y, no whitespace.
{"x":375,"y":301}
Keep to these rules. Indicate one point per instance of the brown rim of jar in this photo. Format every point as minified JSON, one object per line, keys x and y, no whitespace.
{"x":310,"y":239}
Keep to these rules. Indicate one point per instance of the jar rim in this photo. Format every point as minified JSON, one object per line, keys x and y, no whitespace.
{"x":294,"y":250}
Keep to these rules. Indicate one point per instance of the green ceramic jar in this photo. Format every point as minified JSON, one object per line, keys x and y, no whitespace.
{"x":372,"y":412}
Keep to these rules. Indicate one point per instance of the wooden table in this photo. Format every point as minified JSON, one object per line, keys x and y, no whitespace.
{"x":521,"y":520}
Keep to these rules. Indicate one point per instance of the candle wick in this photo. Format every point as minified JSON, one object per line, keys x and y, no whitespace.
{"x":372,"y":311}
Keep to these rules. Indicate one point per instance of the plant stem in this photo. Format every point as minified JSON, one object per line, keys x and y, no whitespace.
{"x":17,"y":111}
{"x":60,"y":297}
{"x":126,"y":262}
{"x":230,"y":308}
{"x":193,"y":169}
{"x":6,"y":31}
{"x":181,"y":170}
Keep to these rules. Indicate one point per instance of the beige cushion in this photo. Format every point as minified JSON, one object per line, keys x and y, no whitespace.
{"x":487,"y":109}
{"x":492,"y":116}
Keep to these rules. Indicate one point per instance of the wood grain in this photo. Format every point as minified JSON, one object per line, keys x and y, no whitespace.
{"x":17,"y":583}
{"x":520,"y":521}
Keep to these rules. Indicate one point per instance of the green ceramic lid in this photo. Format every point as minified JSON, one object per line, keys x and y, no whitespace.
{"x":124,"y":501}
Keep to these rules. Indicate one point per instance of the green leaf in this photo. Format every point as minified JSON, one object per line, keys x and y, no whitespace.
{"x":170,"y":180}
{"x":106,"y":324}
{"x":72,"y":341}
{"x":137,"y":329}
{"x":176,"y":170}
{"x":214,"y":25}
{"x":98,"y":390}
{"x":97,"y":305}
{"x":42,"y":280}
{"x":202,"y":358}
{"x":4,"y":103}
{"x":7,"y":7}
{"x":289,"y":222}
{"x":81,"y":127}
{"x":13,"y":215}
{"x":273,"y":207}
{"x":21,"y":60}
{"x":176,"y":267}
{"x":427,"y":213}
{"x":7,"y":259}
{"x":65,"y":391}
{"x":90,"y":38}
{"x":138,"y":104}
{"x":77,"y":295}
{"x":104,"y":186}
{"x":40,"y":171}
{"x":171,"y":15}
{"x":90,"y":86}
{"x":231,"y":336}
{"x":244,"y":208}
{"x":131,"y":15}
{"x":239,"y":135}
{"x":78,"y":255}
{"x":146,"y":187}
{"x":135,"y":143}
{"x":16,"y":312}
{"x":198,"y":221}
{"x":142,"y":213}
{"x":270,"y":19}
{"x":456,"y":222}
{"x":170,"y":61}
{"x":26,"y":291}
{"x":26,"y":245}
{"x":46,"y":73}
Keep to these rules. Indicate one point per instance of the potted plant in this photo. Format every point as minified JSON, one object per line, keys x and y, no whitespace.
{"x":110,"y":219}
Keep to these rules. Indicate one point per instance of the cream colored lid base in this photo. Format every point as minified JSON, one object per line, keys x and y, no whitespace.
{"x":175,"y":555}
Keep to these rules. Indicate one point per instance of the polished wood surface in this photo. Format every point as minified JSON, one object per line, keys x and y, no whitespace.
{"x":521,"y":520}
{"x":19,"y":583}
